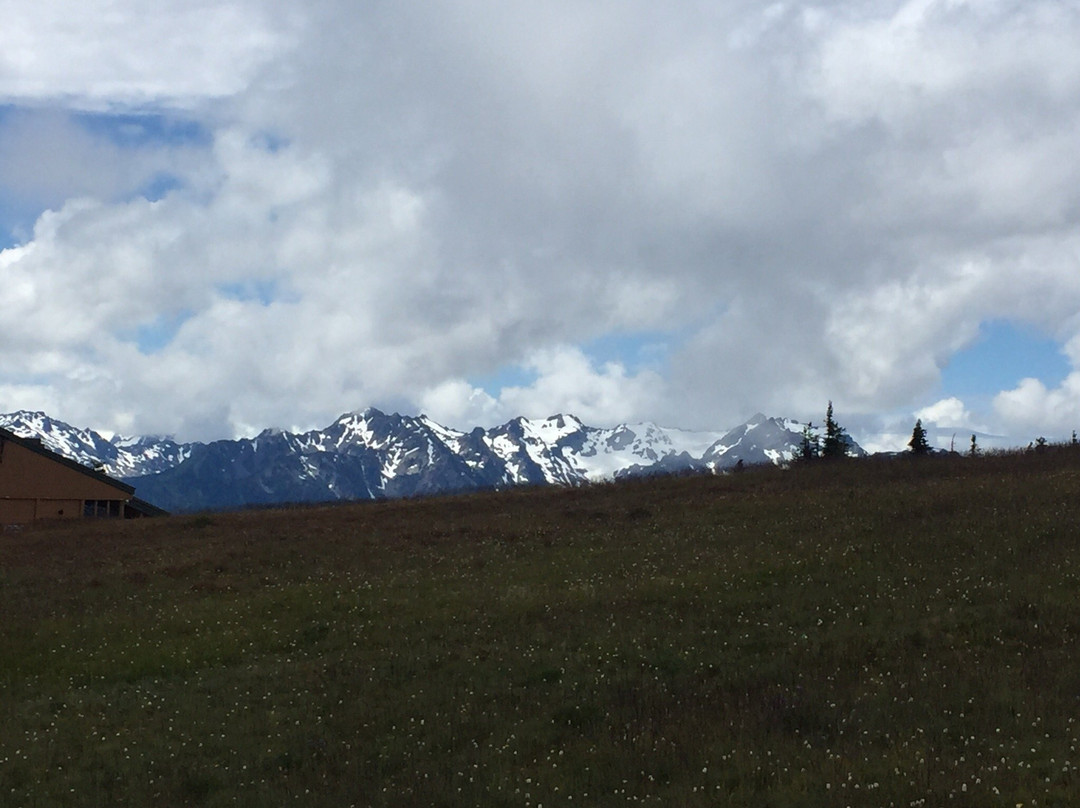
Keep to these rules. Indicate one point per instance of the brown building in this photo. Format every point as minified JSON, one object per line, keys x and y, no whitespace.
{"x":36,"y":483}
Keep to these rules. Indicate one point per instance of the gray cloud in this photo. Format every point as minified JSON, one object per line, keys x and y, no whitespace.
{"x":815,"y":200}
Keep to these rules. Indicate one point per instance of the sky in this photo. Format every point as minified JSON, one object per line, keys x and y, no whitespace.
{"x":222,"y":215}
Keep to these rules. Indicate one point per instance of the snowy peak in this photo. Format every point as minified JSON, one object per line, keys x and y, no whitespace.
{"x":120,"y":457}
{"x":556,"y":428}
{"x":81,"y":445}
{"x":611,"y":451}
{"x":400,"y":446}
{"x":445,"y":434}
{"x":134,"y":443}
{"x":763,"y":440}
{"x":531,"y":450}
{"x":368,"y":427}
{"x":759,"y":440}
{"x":372,"y":454}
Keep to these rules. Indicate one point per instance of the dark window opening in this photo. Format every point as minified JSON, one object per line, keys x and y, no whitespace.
{"x":102,"y":508}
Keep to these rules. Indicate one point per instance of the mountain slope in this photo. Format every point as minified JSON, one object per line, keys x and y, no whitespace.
{"x":370,"y":454}
{"x":119,"y":457}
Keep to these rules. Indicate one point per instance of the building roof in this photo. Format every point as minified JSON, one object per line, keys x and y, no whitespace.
{"x":144,"y":508}
{"x":35,"y":445}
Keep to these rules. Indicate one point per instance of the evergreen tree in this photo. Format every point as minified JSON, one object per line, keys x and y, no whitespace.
{"x":918,"y":443}
{"x":974,"y":450}
{"x":809,"y":445}
{"x":836,"y":441}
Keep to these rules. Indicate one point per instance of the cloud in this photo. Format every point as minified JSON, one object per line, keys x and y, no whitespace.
{"x":46,"y":157}
{"x":565,"y":381}
{"x":100,"y":53}
{"x":456,"y":403}
{"x":949,"y":412}
{"x":568,"y":382}
{"x":390,"y":203}
{"x":1032,"y":408}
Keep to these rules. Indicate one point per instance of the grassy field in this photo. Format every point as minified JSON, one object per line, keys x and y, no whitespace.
{"x":868,"y":633}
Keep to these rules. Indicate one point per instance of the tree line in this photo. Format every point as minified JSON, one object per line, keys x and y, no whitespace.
{"x":835,"y":441}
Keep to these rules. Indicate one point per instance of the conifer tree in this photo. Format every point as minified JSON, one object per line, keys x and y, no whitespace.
{"x":835,"y":443}
{"x":809,"y":445}
{"x":974,"y":450}
{"x":918,"y":443}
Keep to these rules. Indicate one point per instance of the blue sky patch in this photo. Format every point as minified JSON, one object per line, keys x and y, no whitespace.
{"x":160,"y":185}
{"x":635,"y":350}
{"x":1005,"y":353}
{"x":154,"y":336}
{"x":507,"y":376}
{"x":151,"y":129}
{"x":16,"y":225}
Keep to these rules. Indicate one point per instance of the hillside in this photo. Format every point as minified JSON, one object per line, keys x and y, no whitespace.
{"x":861,"y":633}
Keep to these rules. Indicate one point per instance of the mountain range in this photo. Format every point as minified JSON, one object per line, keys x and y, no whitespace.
{"x":370,"y":454}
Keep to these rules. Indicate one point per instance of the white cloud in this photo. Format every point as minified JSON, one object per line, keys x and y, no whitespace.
{"x":566,"y":381}
{"x":1033,"y":408}
{"x":912,"y":58}
{"x":99,"y":53}
{"x":949,"y":412}
{"x":456,"y":403}
{"x":825,"y":204}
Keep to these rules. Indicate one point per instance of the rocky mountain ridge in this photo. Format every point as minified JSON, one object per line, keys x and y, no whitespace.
{"x":370,"y":454}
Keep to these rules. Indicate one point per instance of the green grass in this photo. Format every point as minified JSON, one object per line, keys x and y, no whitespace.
{"x":864,"y":633}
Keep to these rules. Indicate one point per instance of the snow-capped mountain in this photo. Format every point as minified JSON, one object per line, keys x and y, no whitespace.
{"x":764,"y":440}
{"x":119,"y":457}
{"x":370,"y":454}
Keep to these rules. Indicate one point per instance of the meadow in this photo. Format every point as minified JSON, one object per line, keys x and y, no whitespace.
{"x":863,"y":633}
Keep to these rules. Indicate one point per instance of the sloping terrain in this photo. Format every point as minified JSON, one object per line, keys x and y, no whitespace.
{"x":856,"y":633}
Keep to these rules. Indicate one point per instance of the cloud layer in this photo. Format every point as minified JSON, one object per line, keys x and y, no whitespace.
{"x":793,"y":202}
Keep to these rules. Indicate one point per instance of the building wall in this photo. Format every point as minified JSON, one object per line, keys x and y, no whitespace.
{"x":16,"y":511}
{"x":33,"y":486}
